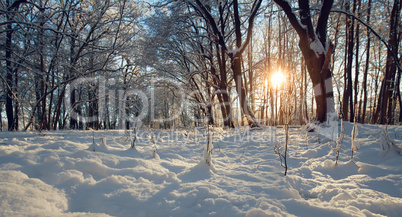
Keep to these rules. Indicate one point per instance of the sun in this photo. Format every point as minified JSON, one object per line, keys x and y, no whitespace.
{"x":278,"y":78}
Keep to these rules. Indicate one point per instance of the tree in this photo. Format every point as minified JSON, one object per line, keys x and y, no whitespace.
{"x":316,"y":51}
{"x":184,"y":38}
{"x":347,"y":102}
{"x":9,"y":67}
{"x":239,"y":45}
{"x":363,"y":103}
{"x":386,"y":100}
{"x":46,"y":45}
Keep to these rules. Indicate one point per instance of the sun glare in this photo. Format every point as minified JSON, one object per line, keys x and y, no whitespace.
{"x":277,"y":79}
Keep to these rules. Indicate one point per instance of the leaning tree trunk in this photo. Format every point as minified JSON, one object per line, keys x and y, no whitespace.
{"x":236,"y":66}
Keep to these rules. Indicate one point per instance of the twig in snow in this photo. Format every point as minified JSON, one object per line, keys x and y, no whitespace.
{"x":283,"y":155}
{"x":340,"y":138}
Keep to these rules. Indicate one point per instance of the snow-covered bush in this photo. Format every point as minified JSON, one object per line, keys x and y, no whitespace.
{"x":99,"y":147}
{"x":387,"y":144}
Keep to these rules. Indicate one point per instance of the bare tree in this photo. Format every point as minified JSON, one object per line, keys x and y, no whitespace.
{"x":363,"y":103}
{"x":52,"y":42}
{"x":240,"y":46}
{"x":316,"y":50}
{"x":386,"y":99}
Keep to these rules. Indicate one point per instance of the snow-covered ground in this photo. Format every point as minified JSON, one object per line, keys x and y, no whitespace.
{"x":57,"y":173}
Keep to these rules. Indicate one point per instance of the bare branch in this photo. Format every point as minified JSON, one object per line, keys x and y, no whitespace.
{"x":300,"y":29}
{"x":254,"y":11}
{"x":211,"y":22}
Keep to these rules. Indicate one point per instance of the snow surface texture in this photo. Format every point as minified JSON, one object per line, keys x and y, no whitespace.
{"x":63,"y":173}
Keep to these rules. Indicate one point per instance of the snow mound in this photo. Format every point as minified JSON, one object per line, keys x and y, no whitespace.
{"x":24,"y":196}
{"x":99,"y":147}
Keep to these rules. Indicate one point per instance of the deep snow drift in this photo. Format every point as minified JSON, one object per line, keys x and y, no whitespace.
{"x":59,"y":174}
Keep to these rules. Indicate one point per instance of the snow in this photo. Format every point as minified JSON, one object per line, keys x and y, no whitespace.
{"x":317,"y":47}
{"x":355,"y":133}
{"x":95,"y":173}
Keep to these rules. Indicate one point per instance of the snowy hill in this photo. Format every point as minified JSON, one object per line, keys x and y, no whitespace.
{"x":72,"y":173}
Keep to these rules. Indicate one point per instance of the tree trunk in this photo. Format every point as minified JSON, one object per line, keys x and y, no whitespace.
{"x":236,"y":66}
{"x":223,"y":92}
{"x":16,"y":104}
{"x":42,"y":82}
{"x":9,"y":71}
{"x":303,"y":88}
{"x":376,"y":86}
{"x":223,"y":89}
{"x":348,"y":89}
{"x":49,"y":115}
{"x":356,"y":7}
{"x":73,"y":114}
{"x":268,"y":68}
{"x":58,"y":108}
{"x":241,"y":90}
{"x":364,"y":84}
{"x":1,"y":119}
{"x":398,"y":95}
{"x":210,"y":113}
{"x":251,"y":74}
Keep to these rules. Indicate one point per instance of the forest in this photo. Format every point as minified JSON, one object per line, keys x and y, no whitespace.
{"x":88,"y":64}
{"x":227,"y":108}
